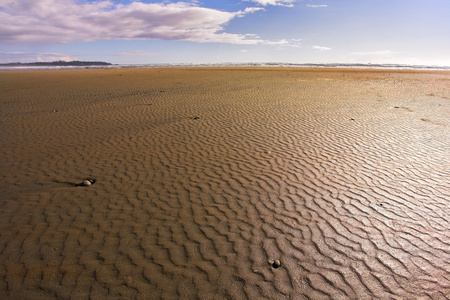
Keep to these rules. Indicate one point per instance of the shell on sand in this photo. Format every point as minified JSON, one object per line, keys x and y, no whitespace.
{"x":275,"y":263}
{"x":86,"y":182}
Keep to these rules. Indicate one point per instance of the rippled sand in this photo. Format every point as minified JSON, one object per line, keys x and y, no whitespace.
{"x":205,"y":176}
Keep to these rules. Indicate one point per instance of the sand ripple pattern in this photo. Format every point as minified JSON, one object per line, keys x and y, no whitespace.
{"x":342,"y":175}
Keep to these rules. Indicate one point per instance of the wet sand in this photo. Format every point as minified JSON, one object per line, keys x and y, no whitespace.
{"x":204,"y":176}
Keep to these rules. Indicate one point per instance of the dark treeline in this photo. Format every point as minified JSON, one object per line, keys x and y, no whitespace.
{"x":58,"y":63}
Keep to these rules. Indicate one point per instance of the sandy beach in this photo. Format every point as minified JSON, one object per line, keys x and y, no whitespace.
{"x":206,"y":176}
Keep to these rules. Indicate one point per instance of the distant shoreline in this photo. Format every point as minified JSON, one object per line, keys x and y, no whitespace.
{"x":62,"y":65}
{"x":59,"y":63}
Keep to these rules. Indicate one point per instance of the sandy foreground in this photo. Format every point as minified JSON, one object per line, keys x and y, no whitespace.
{"x":205,"y":176}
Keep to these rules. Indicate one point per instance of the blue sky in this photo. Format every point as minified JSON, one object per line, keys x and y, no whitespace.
{"x":218,"y":31}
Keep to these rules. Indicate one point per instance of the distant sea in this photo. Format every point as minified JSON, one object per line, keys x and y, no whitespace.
{"x":291,"y":65}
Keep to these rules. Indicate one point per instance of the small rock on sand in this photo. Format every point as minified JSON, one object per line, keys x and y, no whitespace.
{"x":275,"y":263}
{"x":86,"y":182}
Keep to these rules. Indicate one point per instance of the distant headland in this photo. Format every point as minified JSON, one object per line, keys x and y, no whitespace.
{"x":57,"y":63}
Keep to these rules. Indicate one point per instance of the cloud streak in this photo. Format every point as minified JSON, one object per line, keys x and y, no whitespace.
{"x":15,"y":56}
{"x":288,"y":3}
{"x":316,"y":5}
{"x":137,"y":53}
{"x":63,"y":21}
{"x":321,"y":48}
{"x":375,"y":53}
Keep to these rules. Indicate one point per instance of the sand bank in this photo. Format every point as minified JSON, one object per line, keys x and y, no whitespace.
{"x":205,"y":176}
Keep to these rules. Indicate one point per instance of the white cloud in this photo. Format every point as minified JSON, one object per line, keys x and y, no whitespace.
{"x":14,"y":53}
{"x":137,"y":53}
{"x":375,"y":53}
{"x":316,"y":5}
{"x":385,"y":56}
{"x":16,"y":56}
{"x":284,"y":43}
{"x":62,"y":21}
{"x":55,"y":57}
{"x":288,"y":3}
{"x":320,"y":48}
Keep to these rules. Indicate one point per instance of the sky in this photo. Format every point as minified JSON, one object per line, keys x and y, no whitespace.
{"x":226,"y":31}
